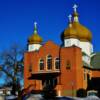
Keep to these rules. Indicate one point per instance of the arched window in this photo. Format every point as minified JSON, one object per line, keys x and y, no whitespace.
{"x":68,"y":64}
{"x":41,"y":64}
{"x":49,"y":62}
{"x":30,"y":68}
{"x":57,"y":63}
{"x":85,"y":74}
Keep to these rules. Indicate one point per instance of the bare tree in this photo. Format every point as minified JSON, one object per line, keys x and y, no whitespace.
{"x":12,"y":66}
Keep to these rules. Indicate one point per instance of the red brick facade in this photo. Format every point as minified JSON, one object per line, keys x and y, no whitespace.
{"x":70,"y":76}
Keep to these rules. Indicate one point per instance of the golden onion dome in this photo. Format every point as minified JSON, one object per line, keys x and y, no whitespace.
{"x":83,"y":33}
{"x":70,"y":32}
{"x":35,"y":38}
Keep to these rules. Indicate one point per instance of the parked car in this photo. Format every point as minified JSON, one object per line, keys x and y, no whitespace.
{"x":92,"y":98}
{"x":64,"y":98}
{"x":10,"y":97}
{"x":92,"y":93}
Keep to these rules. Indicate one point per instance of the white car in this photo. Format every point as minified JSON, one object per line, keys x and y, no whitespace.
{"x":92,"y":98}
{"x":11,"y":97}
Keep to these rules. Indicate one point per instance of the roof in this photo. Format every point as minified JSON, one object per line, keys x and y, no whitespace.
{"x":95,"y":61}
{"x":84,"y":54}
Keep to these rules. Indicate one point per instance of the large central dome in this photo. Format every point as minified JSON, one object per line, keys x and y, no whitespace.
{"x":78,"y":31}
{"x":83,"y":33}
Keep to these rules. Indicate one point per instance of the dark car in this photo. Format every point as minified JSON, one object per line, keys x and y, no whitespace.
{"x":64,"y":98}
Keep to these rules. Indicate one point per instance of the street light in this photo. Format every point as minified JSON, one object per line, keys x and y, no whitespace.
{"x":72,"y":84}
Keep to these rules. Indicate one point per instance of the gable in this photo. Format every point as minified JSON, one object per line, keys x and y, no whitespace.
{"x":49,"y":48}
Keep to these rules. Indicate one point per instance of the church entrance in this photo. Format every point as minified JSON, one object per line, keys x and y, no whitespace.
{"x":49,"y":87}
{"x":49,"y":83}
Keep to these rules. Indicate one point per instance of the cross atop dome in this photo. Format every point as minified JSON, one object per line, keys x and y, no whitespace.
{"x":70,"y":18}
{"x":35,"y":24}
{"x":75,"y":8}
{"x":35,"y":27}
{"x":75,"y":14}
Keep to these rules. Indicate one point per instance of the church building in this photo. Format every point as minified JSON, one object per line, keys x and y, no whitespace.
{"x":64,"y":68}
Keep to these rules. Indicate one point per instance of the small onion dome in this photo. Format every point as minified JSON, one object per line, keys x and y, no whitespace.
{"x":83,"y":33}
{"x":35,"y":38}
{"x":70,"y":32}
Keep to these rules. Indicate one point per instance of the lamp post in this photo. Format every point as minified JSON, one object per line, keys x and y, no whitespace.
{"x":72,"y":84}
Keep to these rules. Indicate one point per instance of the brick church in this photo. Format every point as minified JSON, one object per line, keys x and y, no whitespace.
{"x":64,"y":68}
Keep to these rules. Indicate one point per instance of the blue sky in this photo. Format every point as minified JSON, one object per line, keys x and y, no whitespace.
{"x":17,"y":18}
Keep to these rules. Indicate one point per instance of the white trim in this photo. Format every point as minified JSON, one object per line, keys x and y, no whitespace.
{"x":71,"y":41}
{"x":33,"y":47}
